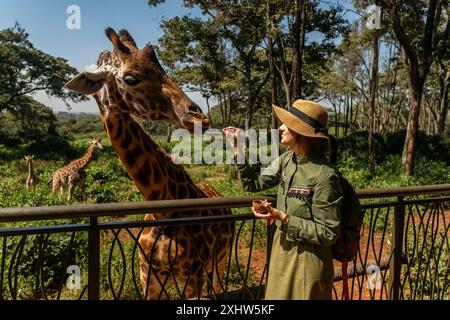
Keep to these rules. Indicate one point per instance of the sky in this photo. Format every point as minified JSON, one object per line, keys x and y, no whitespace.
{"x":46,"y":23}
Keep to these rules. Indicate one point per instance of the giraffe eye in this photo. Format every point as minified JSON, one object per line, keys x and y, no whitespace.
{"x":131,"y":81}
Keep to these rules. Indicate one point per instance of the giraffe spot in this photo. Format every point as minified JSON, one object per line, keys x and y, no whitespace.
{"x":110,"y":125}
{"x":134,"y":129}
{"x":141,"y":174}
{"x":128,"y":96}
{"x":156,"y":174}
{"x":153,"y":195}
{"x":164,"y":193}
{"x":126,"y":140}
{"x":118,"y":132}
{"x":140,"y":101}
{"x":146,"y":145}
{"x":172,"y":186}
{"x":182,"y":243}
{"x":123,"y":106}
{"x":131,"y":156}
{"x":181,"y":194}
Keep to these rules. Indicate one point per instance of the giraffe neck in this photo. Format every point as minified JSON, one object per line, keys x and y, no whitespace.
{"x":30,"y":169}
{"x":149,"y":166}
{"x":86,"y":158}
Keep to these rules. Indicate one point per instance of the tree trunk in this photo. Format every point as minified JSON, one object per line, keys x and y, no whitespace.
{"x":373,"y":92}
{"x":209,"y":111}
{"x":299,"y":43}
{"x":169,"y":133}
{"x":282,"y":70}
{"x":273,"y":78}
{"x":412,"y":127}
{"x":444,"y":105}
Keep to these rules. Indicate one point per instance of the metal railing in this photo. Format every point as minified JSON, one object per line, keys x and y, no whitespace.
{"x":404,"y":250}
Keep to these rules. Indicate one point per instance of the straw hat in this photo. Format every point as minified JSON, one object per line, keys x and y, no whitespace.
{"x":305,"y":117}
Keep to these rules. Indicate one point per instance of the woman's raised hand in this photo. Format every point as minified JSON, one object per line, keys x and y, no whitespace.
{"x":231,"y":133}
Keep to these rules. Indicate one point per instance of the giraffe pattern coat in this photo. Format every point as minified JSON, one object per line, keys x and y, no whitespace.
{"x":74,"y":174}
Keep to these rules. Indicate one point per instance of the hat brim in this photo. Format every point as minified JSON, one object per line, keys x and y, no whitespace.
{"x":295,"y":124}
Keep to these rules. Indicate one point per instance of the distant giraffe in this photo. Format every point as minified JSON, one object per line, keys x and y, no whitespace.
{"x":32,"y":179}
{"x":132,"y":81}
{"x":73,"y":174}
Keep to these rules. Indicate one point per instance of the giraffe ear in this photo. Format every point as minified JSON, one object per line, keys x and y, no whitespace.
{"x":87,"y":82}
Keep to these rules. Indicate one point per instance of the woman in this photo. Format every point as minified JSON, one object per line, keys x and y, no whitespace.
{"x":307,"y":212}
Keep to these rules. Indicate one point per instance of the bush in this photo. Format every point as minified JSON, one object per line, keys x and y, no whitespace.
{"x":432,"y":147}
{"x":355,"y":145}
{"x":52,"y":147}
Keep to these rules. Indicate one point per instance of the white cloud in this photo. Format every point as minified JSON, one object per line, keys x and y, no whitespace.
{"x":91,"y":68}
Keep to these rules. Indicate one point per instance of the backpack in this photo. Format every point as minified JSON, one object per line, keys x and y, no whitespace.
{"x":352,"y":216}
{"x":347,"y":245}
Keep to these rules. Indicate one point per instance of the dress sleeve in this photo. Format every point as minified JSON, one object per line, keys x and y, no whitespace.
{"x":324,"y":227}
{"x":255,"y":178}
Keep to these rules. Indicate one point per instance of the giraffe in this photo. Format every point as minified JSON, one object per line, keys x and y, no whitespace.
{"x":73,"y":174}
{"x":32,"y":179}
{"x":131,"y":82}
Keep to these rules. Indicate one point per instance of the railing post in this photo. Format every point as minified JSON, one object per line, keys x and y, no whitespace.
{"x":93,"y":260}
{"x":397,"y":242}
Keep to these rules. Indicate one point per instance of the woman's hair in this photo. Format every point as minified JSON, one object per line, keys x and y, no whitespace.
{"x":333,"y":150}
{"x":313,"y":145}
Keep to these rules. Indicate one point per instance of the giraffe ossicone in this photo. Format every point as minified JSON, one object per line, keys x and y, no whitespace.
{"x":131,"y":82}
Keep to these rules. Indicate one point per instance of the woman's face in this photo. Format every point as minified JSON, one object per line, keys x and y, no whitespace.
{"x":287,"y":137}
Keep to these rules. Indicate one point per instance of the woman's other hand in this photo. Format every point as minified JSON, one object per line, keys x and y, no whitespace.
{"x":272,"y":214}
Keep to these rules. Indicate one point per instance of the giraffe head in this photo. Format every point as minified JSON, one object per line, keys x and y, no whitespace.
{"x":131,"y":80}
{"x":29,"y":158}
{"x":96,"y":143}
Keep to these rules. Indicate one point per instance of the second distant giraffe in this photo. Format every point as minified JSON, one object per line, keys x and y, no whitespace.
{"x":73,"y":174}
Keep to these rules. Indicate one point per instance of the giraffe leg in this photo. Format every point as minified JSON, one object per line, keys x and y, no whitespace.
{"x":54,"y":184}
{"x":193,"y":285}
{"x":70,"y":191}
{"x":83,"y":191}
{"x":150,"y":282}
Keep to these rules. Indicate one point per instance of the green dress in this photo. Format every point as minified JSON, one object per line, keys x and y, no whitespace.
{"x":301,"y":263}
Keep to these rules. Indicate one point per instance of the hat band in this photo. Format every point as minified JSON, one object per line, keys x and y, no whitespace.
{"x":308,"y":120}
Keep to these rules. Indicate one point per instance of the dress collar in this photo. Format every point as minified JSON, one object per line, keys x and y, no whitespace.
{"x":316,"y":158}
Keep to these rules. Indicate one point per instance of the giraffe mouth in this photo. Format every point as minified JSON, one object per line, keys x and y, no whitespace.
{"x":195,"y":124}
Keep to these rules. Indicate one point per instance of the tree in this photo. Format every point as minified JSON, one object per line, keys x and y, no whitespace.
{"x":26,"y":70}
{"x":295,"y":21}
{"x":415,"y":25}
{"x":241,"y":28}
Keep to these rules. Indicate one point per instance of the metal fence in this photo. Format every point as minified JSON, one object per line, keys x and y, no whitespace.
{"x":93,"y":251}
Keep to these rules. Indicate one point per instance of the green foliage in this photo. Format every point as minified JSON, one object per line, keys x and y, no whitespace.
{"x":42,"y":260}
{"x":71,"y":125}
{"x":26,"y":69}
{"x":428,"y":274}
